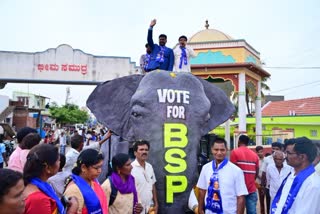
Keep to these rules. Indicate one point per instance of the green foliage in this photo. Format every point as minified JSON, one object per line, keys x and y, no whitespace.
{"x":68,"y":114}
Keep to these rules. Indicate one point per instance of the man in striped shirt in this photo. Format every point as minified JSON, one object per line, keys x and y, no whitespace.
{"x":248,"y":161}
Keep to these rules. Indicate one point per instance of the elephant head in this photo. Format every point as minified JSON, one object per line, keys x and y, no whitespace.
{"x":170,"y":110}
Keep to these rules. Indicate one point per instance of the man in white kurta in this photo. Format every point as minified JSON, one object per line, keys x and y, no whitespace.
{"x":144,"y":176}
{"x":181,"y":61}
{"x":308,"y":198}
{"x":231,"y":180}
{"x":277,"y":172}
{"x":300,"y":154}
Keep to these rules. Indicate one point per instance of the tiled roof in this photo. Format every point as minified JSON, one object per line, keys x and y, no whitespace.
{"x":305,"y":106}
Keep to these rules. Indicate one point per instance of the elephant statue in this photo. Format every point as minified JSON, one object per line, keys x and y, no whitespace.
{"x":171,"y":111}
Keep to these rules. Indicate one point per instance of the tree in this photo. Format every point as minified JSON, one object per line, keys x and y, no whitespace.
{"x":68,"y":114}
{"x":250,"y":94}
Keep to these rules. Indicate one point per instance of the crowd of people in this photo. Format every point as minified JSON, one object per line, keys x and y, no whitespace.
{"x":289,"y":179}
{"x":45,"y":180}
{"x":41,"y":179}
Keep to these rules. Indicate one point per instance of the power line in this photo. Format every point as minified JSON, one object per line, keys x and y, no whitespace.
{"x":286,"y":67}
{"x":297,"y":86}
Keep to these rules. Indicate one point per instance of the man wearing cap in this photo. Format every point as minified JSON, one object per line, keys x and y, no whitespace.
{"x":182,"y":54}
{"x":300,"y":190}
{"x":18,"y":158}
{"x":161,"y":57}
{"x":275,"y":146}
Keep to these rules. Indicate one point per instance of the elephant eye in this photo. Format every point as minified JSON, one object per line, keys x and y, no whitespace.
{"x":135,"y":114}
{"x":208,"y":117}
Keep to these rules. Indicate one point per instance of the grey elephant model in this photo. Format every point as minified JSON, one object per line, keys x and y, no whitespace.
{"x":172,"y":111}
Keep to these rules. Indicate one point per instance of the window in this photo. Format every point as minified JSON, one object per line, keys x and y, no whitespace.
{"x":23,"y":100}
{"x":314,"y":133}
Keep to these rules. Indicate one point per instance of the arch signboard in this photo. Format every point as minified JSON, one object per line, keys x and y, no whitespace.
{"x":63,"y":65}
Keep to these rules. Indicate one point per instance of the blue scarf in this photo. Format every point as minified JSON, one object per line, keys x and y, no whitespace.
{"x":214,"y":199}
{"x":147,"y":58}
{"x":160,"y":55}
{"x":295,"y":187}
{"x":183,"y":58}
{"x":48,"y":190}
{"x":90,"y":198}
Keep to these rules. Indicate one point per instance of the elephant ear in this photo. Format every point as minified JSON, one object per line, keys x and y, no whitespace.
{"x":221,"y":107}
{"x":110,"y":103}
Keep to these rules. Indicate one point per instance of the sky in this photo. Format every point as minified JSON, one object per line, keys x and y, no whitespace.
{"x":286,"y":33}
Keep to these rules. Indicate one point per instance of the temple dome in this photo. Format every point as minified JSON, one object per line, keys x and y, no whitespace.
{"x":209,"y":35}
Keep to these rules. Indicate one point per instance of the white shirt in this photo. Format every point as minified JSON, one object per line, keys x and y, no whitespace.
{"x":307,"y":199}
{"x":274,"y":178}
{"x":62,"y":140}
{"x":177,"y":54}
{"x":232,"y":184}
{"x":317,"y":168}
{"x":193,"y":201}
{"x":258,"y":179}
{"x":144,"y":180}
{"x":267,"y":160}
{"x":71,"y":159}
{"x":92,"y":145}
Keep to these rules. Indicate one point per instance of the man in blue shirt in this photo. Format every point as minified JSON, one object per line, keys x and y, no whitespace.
{"x":161,"y":56}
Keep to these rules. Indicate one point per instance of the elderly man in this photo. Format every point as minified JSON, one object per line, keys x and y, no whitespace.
{"x":277,"y":172}
{"x":300,"y":190}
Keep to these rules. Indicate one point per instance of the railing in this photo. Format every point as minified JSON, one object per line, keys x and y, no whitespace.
{"x":6,"y":112}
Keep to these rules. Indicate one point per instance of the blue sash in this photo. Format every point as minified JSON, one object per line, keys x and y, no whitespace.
{"x":48,"y":190}
{"x":183,"y":58}
{"x":160,"y":55}
{"x":214,"y":199}
{"x":147,"y":58}
{"x":90,"y":198}
{"x":295,"y":187}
